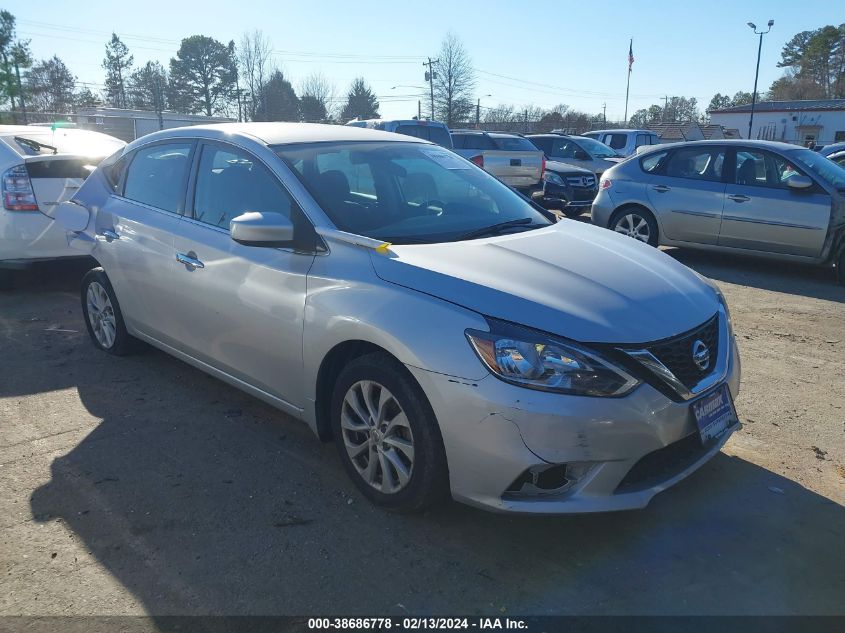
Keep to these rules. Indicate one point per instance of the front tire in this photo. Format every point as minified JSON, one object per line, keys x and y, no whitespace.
{"x":635,"y":222}
{"x":387,"y":436}
{"x":103,"y":318}
{"x":840,"y":268}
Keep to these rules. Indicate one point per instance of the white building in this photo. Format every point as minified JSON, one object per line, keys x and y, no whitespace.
{"x":821,"y":121}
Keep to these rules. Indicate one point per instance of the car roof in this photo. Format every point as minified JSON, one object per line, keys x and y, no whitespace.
{"x":421,"y":122}
{"x":734,"y":141}
{"x":277,"y":133}
{"x":621,"y":131}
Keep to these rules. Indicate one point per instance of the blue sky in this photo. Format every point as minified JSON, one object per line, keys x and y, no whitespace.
{"x":527,"y":52}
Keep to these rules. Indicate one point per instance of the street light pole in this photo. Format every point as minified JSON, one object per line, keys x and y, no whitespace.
{"x":757,"y":72}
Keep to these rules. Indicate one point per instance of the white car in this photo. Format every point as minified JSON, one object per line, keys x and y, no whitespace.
{"x":42,"y":167}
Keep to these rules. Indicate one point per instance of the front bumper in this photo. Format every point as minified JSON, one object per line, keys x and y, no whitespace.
{"x":553,"y":196}
{"x":494,"y":432}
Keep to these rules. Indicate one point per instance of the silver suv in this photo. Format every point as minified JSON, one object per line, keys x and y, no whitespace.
{"x":753,"y":197}
{"x":624,"y":142}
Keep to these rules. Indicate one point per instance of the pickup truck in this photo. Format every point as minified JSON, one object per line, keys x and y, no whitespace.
{"x":513,"y":159}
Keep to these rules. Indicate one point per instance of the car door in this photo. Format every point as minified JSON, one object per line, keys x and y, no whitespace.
{"x":135,"y":230}
{"x":689,"y":193}
{"x":240,"y":308}
{"x":762,"y":212}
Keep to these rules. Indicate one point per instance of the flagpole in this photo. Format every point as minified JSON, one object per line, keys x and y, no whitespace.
{"x":628,"y":86}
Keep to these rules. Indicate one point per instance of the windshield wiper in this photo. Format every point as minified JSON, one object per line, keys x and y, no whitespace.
{"x":36,"y":145}
{"x":495,"y":229}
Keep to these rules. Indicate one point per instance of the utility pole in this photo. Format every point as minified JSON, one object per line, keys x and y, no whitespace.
{"x":419,"y":109}
{"x":604,"y":113}
{"x":526,"y":121}
{"x":757,"y":72}
{"x":159,"y":101}
{"x":665,"y":107}
{"x":20,"y":91}
{"x":430,"y":76}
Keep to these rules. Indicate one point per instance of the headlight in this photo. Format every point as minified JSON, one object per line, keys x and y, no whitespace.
{"x":724,"y":303}
{"x":536,"y":361}
{"x":552,"y":177}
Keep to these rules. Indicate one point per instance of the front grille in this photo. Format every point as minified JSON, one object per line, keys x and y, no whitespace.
{"x":581,"y":181}
{"x":663,"y":464}
{"x":677,"y":353}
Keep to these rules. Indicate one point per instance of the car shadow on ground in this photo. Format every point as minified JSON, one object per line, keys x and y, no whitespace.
{"x":202,"y":500}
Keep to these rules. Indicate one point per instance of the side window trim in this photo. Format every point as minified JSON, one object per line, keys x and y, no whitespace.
{"x":180,"y":209}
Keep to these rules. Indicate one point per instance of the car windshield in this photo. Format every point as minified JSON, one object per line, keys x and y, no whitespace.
{"x":821,"y":166}
{"x":599,"y":150}
{"x":66,"y":141}
{"x":406,"y":192}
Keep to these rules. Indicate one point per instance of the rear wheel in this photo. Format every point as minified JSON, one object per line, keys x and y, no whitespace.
{"x":387,"y":436}
{"x":635,"y":222}
{"x":103,"y":317}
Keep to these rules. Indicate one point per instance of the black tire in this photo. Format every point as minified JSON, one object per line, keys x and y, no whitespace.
{"x":621,"y":215}
{"x":840,"y":268}
{"x":573,"y":212}
{"x":123,"y":342}
{"x":429,"y":477}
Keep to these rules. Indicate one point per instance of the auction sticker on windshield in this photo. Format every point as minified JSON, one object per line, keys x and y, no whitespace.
{"x":446,"y":159}
{"x":714,"y":414}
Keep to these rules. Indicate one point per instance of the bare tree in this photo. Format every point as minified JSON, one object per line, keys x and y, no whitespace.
{"x":454,"y":82}
{"x":256,"y":67}
{"x":318,"y":97}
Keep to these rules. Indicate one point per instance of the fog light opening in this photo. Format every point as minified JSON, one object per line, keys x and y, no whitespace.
{"x":538,"y":480}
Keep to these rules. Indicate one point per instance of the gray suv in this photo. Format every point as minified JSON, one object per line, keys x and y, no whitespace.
{"x":754,"y":197}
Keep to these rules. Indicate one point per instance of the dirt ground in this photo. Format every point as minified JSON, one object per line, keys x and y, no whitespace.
{"x":139,"y":485}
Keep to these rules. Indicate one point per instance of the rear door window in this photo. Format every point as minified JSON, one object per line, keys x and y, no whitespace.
{"x":513,"y":144}
{"x":158,"y":175}
{"x":616,"y":141}
{"x":478,"y":141}
{"x":643,"y":139}
{"x":697,"y":163}
{"x":652,"y":162}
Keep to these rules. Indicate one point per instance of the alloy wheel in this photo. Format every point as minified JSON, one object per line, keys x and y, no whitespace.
{"x":101,"y":314}
{"x":633,"y":225}
{"x":377,"y":436}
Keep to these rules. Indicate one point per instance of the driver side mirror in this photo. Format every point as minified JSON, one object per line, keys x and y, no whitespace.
{"x":799,"y":182}
{"x":254,"y":228}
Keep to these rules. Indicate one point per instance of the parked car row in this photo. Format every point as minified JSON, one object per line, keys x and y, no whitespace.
{"x":558,"y":171}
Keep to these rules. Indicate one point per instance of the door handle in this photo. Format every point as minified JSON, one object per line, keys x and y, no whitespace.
{"x":110,"y":235}
{"x":737,"y":197}
{"x":189,"y":260}
{"x":661,"y":188}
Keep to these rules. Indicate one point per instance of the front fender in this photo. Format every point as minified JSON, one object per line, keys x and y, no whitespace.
{"x":346,"y":301}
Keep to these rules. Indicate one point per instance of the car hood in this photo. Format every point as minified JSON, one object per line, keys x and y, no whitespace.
{"x":571,"y":279}
{"x":558,"y":167}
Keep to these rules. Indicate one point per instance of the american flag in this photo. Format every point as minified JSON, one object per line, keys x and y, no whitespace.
{"x":630,"y":55}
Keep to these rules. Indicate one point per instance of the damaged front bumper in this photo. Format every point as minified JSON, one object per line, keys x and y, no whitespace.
{"x":511,"y":449}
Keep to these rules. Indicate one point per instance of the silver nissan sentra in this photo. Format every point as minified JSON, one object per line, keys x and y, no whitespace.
{"x":435,"y":324}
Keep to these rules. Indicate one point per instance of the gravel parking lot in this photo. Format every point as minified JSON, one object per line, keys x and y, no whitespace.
{"x":140,"y":485}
